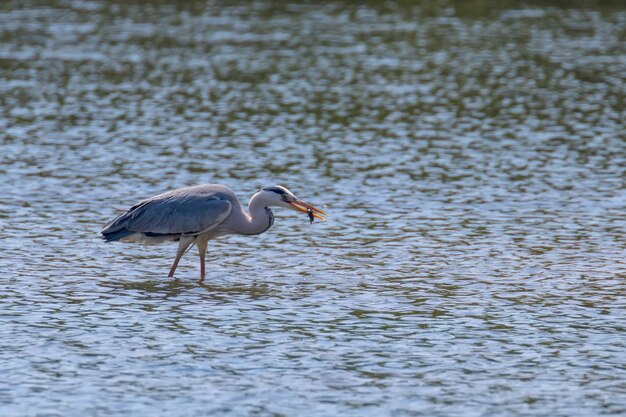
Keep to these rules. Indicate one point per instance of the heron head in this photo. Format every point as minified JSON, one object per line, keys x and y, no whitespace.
{"x":282,"y":197}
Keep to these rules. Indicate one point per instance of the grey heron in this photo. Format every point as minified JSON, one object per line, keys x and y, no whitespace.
{"x":194,"y":215}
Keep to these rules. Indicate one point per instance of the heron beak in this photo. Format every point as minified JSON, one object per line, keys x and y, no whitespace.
{"x":305,"y":207}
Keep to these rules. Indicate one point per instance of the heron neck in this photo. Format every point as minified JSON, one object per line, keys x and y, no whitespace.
{"x":260,"y":218}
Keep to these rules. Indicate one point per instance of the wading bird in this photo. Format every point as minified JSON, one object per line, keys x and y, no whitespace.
{"x":200,"y":213}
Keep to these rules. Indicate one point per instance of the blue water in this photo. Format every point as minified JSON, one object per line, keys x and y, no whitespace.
{"x":471,"y":159}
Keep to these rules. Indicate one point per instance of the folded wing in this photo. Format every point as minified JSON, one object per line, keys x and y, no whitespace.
{"x":171,"y":213}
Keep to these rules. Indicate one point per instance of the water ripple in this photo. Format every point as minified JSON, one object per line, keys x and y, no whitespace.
{"x":471,"y":159}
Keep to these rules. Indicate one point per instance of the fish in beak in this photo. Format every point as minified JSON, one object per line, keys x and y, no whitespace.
{"x":311,"y":211}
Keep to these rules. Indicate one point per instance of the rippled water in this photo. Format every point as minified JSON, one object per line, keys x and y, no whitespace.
{"x":471,"y":157}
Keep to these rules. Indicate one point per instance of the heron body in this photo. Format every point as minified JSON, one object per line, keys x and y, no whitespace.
{"x":195,"y":215}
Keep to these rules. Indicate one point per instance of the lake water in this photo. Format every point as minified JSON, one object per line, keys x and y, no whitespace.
{"x":471,"y":157}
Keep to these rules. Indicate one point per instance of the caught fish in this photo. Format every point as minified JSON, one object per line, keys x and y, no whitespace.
{"x":309,"y":213}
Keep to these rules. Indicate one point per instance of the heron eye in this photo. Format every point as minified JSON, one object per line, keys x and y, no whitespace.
{"x":284,"y":197}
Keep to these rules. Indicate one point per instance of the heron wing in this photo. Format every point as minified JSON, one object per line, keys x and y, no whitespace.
{"x":173,"y":213}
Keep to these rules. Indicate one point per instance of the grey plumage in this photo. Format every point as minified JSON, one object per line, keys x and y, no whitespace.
{"x":187,"y":211}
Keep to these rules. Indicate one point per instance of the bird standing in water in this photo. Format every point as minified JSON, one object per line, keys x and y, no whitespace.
{"x":194,"y":215}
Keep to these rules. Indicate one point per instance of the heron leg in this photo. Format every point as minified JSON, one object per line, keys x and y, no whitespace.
{"x":183,"y":244}
{"x":202,"y":245}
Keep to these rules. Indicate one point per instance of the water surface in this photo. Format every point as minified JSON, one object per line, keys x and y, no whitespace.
{"x":471,"y":158}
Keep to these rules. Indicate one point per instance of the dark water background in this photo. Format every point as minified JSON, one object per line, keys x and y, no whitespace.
{"x":471,"y":155}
